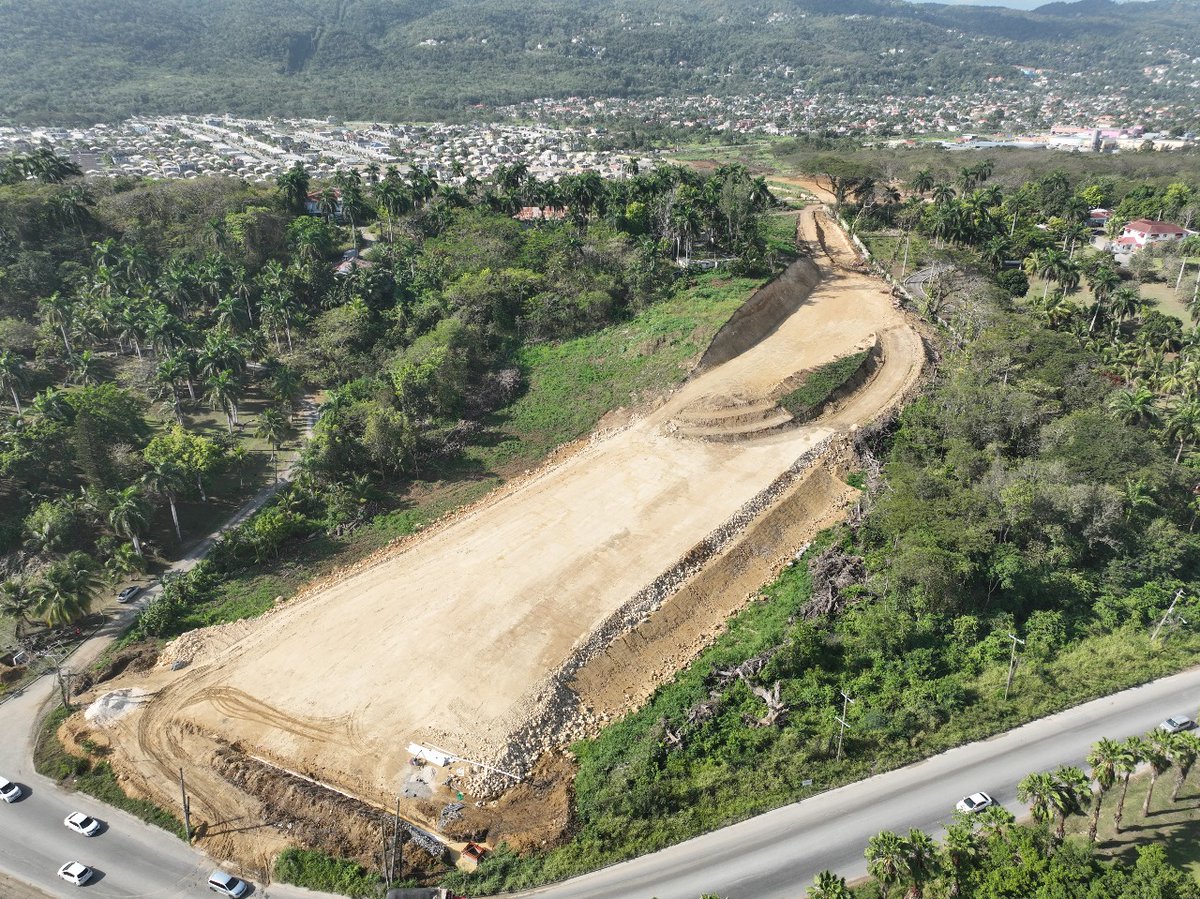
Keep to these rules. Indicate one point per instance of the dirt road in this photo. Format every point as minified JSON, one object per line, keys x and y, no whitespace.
{"x":458,"y":639}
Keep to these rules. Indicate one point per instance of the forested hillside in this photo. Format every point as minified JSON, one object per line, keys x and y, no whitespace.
{"x":70,"y":60}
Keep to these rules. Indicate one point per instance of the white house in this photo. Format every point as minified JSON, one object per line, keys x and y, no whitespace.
{"x":1140,"y":232}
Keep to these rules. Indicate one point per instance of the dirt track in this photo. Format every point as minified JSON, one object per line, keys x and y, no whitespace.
{"x":465,"y":636}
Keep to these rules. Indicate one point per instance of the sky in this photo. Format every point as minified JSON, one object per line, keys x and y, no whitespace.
{"x":1011,"y":4}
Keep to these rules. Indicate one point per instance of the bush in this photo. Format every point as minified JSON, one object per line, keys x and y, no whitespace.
{"x":806,"y":400}
{"x":317,"y":871}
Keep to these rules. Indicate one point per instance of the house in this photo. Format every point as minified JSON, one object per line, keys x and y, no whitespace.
{"x":313,"y":206}
{"x":1098,"y":217}
{"x":1140,"y":232}
{"x":530,"y":214}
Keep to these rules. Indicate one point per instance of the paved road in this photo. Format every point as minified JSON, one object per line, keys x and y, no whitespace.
{"x":776,"y":855}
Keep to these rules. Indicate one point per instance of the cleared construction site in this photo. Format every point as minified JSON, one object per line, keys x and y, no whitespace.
{"x":524,"y":622}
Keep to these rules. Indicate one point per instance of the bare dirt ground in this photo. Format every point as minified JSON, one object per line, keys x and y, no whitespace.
{"x":525,"y":621}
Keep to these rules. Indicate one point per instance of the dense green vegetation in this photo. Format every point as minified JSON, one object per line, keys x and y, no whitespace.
{"x":92,"y":775}
{"x":820,"y":384}
{"x":1042,"y":486}
{"x":67,"y":60}
{"x":316,"y":871}
{"x":463,"y":342}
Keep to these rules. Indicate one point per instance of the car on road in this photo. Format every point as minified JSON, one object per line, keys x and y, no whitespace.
{"x":1177,"y":723}
{"x":227,"y":884}
{"x":129,"y":593}
{"x":81,"y":823}
{"x":76,"y":873}
{"x":976,"y":802}
{"x":9,"y":791}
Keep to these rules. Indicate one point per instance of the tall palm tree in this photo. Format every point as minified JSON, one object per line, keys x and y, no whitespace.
{"x":293,"y":185}
{"x":1105,"y":759}
{"x":128,"y":514}
{"x":57,"y":312}
{"x":1125,"y":765}
{"x":12,"y":376}
{"x":1133,"y":406}
{"x":224,"y":390}
{"x":920,"y":861}
{"x":1184,"y":748}
{"x":1157,"y":754}
{"x":168,"y":374}
{"x":1038,"y":790}
{"x":85,"y":369}
{"x":828,"y":885}
{"x":942,"y":193}
{"x":1183,"y":425}
{"x":1073,"y":789}
{"x":65,"y":592}
{"x":885,"y":859}
{"x":922,"y":181}
{"x":272,"y":427}
{"x":959,"y":850}
{"x":17,"y":601}
{"x":168,"y":480}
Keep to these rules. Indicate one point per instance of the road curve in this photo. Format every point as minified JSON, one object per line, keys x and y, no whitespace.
{"x":777,"y":855}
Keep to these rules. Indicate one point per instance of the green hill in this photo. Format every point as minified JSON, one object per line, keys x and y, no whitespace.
{"x":73,"y":60}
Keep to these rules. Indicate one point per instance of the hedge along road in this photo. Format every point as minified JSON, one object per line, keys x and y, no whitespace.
{"x":777,"y":855}
{"x":134,"y":858}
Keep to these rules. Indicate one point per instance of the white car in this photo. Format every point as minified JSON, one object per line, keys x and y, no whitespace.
{"x":81,"y":823}
{"x":129,"y":593}
{"x":227,"y":884}
{"x":976,"y":802}
{"x":1177,"y":723}
{"x":9,"y":791}
{"x":74,"y":872}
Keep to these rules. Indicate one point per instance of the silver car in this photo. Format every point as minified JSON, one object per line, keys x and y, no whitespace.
{"x":976,"y":802}
{"x":227,"y":884}
{"x":9,"y":791}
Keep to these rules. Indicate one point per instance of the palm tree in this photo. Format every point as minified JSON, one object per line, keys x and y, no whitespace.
{"x":127,"y":514}
{"x":1038,"y":790}
{"x":885,"y":859}
{"x":959,"y":850}
{"x":1125,"y":302}
{"x":169,"y":373}
{"x":84,"y":369}
{"x":1133,"y":406}
{"x":1155,"y":753}
{"x":1105,"y":759}
{"x":1125,"y":765}
{"x":1072,"y":788}
{"x":922,"y":181}
{"x":828,"y":885}
{"x":293,"y":185}
{"x":920,"y":861}
{"x":168,"y":480}
{"x":224,"y":391}
{"x":57,"y":311}
{"x":1185,"y":748}
{"x":64,"y":593}
{"x":17,"y":601}
{"x":1183,"y":424}
{"x":12,"y":376}
{"x":942,"y":193}
{"x":272,"y":427}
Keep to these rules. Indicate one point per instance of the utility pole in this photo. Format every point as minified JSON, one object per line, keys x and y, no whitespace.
{"x":1166,"y":615}
{"x":64,"y":687}
{"x":846,"y":700}
{"x":187,"y":809}
{"x":904,"y":264}
{"x":1012,"y":662}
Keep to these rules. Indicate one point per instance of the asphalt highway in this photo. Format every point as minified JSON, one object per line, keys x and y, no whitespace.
{"x":777,"y":855}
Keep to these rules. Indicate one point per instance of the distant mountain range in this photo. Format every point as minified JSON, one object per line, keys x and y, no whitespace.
{"x":76,"y":60}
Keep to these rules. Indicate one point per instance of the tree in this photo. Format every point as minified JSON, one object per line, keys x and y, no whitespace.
{"x":1125,"y":765}
{"x":17,"y":601}
{"x":196,"y":455}
{"x":1105,"y":758}
{"x":12,"y":376}
{"x":128,"y":514}
{"x":1038,"y":789}
{"x":1156,"y":753}
{"x":920,"y":861}
{"x":922,"y":181}
{"x":1072,"y":788}
{"x":1134,"y":406}
{"x":960,"y":850}
{"x":885,"y":859}
{"x":272,"y":427}
{"x":1184,"y":748}
{"x":224,"y":390}
{"x":293,"y":185}
{"x":168,"y":480}
{"x":828,"y":885}
{"x":64,"y":593}
{"x":1183,"y":424}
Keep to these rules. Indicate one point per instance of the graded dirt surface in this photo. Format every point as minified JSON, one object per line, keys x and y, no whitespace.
{"x":467,"y":637}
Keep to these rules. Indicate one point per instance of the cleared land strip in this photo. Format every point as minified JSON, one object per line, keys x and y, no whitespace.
{"x":471,"y":636}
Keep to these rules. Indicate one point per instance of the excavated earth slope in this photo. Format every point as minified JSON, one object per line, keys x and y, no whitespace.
{"x":596,"y":578}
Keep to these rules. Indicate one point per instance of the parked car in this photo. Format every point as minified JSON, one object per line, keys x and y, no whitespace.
{"x":74,"y":872}
{"x":129,"y":593}
{"x":9,"y":791}
{"x":81,"y":823}
{"x":976,"y":802}
{"x":1176,"y":723}
{"x":227,"y":884}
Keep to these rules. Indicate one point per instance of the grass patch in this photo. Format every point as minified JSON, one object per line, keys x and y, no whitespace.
{"x":317,"y":871}
{"x":92,"y":776}
{"x":819,"y":385}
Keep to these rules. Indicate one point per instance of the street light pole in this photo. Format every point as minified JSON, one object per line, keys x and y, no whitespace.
{"x":846,"y":700}
{"x":1012,"y":662}
{"x":1166,"y":615}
